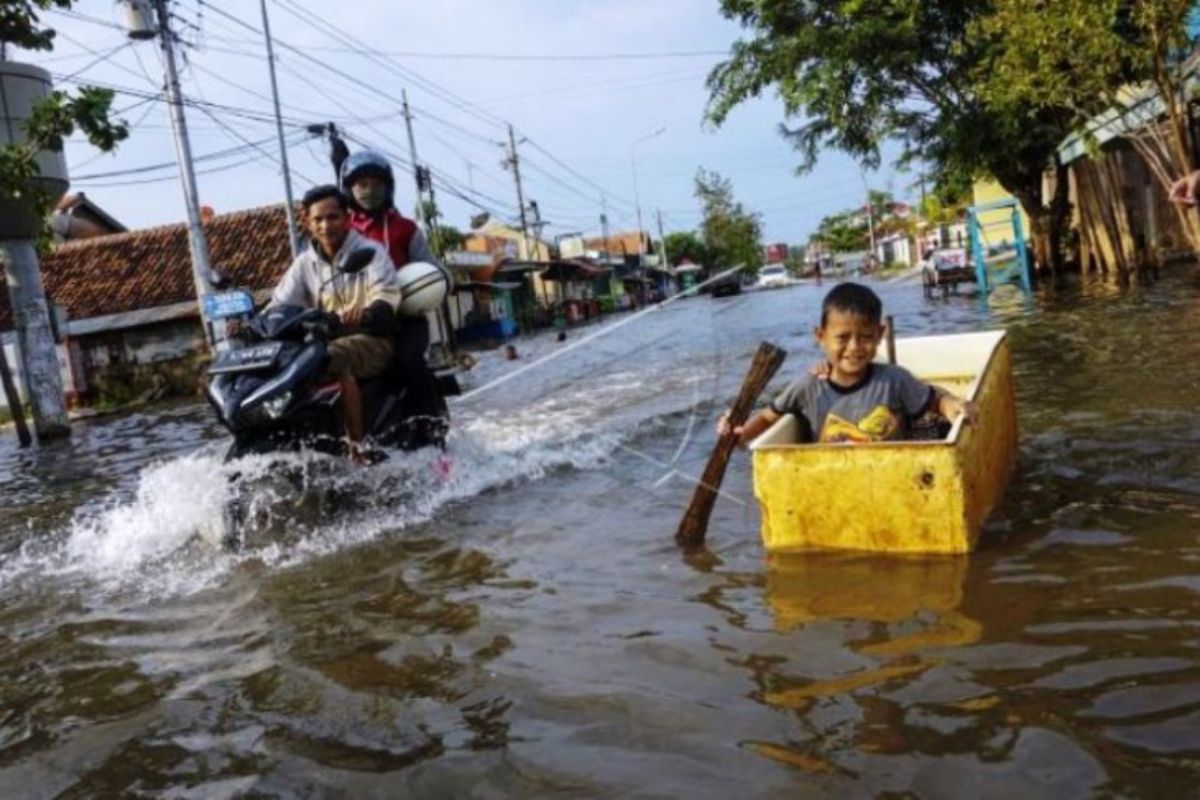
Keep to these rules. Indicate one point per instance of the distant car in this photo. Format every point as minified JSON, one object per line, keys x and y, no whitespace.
{"x":773,"y":276}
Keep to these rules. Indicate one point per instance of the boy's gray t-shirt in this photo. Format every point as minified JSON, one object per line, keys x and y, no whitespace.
{"x":877,"y":408}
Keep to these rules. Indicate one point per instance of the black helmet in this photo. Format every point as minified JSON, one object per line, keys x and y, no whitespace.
{"x":367,"y":162}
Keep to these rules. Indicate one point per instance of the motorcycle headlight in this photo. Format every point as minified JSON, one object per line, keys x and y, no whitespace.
{"x":275,"y":407}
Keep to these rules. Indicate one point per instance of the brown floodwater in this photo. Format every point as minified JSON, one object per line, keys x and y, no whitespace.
{"x":525,"y":627}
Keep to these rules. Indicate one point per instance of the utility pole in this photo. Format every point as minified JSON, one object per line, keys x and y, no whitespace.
{"x":289,"y":209}
{"x":202,"y":273}
{"x":537,"y":226}
{"x":604,"y":225}
{"x":412,"y":156}
{"x":662,"y":243}
{"x":515,"y":162}
{"x":870,"y":211}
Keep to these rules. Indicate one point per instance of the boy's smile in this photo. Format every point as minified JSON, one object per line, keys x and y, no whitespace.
{"x":849,"y":342}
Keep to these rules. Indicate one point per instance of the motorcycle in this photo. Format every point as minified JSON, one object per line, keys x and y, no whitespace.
{"x":268,"y":391}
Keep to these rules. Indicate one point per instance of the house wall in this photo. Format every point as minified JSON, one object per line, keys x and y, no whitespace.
{"x":1121,"y":213}
{"x":12,"y":355}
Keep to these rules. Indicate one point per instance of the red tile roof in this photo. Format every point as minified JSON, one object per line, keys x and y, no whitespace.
{"x":153,"y":267}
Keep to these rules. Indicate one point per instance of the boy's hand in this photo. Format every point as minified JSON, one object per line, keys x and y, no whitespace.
{"x":820,"y":371}
{"x":964,"y":407}
{"x":725,"y":429}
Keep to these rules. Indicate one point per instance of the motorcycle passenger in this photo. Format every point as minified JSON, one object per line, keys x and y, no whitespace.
{"x":365,"y":301}
{"x":367,"y":179}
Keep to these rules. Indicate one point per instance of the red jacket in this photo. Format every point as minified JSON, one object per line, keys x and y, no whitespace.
{"x":393,"y":231}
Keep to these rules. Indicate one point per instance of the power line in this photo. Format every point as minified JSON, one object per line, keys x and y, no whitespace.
{"x":424,"y":54}
{"x":218,"y":154}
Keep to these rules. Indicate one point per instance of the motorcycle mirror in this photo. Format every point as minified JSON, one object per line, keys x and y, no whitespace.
{"x":358,"y":260}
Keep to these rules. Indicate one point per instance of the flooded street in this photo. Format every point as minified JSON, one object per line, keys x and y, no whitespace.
{"x":526,"y":627}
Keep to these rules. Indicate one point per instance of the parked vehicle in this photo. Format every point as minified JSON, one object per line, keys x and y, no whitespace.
{"x":925,"y":496}
{"x":727,"y":286}
{"x":945,"y":269}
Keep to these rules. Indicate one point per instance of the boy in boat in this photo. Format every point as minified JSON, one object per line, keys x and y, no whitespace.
{"x":850,"y":398}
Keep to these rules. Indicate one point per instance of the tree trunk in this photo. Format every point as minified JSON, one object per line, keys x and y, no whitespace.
{"x":1040,"y":223}
{"x":1060,"y":223}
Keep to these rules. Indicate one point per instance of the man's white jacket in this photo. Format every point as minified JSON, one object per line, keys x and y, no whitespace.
{"x":313,"y":282}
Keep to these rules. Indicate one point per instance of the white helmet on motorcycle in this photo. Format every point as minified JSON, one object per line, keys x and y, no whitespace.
{"x":423,"y":287}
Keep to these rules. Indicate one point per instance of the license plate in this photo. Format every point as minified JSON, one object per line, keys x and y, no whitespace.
{"x":246,"y":359}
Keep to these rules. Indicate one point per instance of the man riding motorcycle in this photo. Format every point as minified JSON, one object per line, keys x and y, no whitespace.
{"x":367,"y":179}
{"x":365,"y":301}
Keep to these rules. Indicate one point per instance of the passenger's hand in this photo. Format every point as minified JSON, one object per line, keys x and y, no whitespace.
{"x":352,"y":317}
{"x":1183,"y":191}
{"x":821,"y":371}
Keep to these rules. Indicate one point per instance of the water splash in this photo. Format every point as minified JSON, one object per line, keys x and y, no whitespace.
{"x":166,"y":537}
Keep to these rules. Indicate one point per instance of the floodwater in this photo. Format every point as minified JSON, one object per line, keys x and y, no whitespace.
{"x":525,"y":627}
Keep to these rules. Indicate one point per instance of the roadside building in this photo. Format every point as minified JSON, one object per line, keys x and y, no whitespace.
{"x":125,"y":306}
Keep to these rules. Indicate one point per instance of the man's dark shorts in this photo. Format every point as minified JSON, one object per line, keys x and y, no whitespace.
{"x":362,"y":355}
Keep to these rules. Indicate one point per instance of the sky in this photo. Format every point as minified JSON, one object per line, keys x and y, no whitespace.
{"x":586,"y":84}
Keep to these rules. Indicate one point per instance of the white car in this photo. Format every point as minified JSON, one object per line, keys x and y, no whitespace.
{"x":773,"y":277}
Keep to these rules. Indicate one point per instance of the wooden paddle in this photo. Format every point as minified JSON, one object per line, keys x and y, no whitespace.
{"x":891,"y":340}
{"x":694,"y":525}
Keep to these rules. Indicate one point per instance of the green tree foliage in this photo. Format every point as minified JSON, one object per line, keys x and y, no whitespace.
{"x":685,"y":244}
{"x":844,"y":232}
{"x":731,"y":234}
{"x":449,"y":238}
{"x":862,"y":72}
{"x":1086,"y":55}
{"x":58,"y":115}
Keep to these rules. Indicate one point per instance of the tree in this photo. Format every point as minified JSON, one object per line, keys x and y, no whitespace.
{"x":865,"y":72}
{"x":1085,"y":55}
{"x":57,"y":116}
{"x":844,"y":232}
{"x":449,"y":238}
{"x":685,"y":244}
{"x":732,"y":236}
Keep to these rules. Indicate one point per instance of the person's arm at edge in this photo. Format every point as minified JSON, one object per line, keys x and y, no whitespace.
{"x":418,"y":249}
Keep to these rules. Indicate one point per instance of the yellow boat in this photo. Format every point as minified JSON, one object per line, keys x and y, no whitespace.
{"x":900,"y":497}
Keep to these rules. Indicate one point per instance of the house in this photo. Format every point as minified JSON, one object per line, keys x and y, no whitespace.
{"x":125,"y":304}
{"x":76,"y":217}
{"x":621,"y":244}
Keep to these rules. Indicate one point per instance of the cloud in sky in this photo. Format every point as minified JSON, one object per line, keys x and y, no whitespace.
{"x":584,"y":113}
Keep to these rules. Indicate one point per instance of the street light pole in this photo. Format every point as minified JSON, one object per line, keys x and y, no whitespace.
{"x":637,"y":201}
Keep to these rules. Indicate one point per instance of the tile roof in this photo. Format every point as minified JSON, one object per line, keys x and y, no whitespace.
{"x":153,"y":267}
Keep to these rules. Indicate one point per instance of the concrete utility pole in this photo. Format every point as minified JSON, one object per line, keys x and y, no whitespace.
{"x":22,"y":87}
{"x":412,"y":156}
{"x":35,"y":339}
{"x":662,"y":243}
{"x":202,"y":273}
{"x":870,"y":211}
{"x":604,"y":225}
{"x":290,"y":210}
{"x":515,"y":162}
